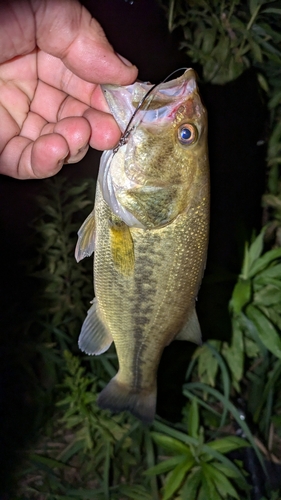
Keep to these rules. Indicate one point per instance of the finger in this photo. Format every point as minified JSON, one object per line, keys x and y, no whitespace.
{"x":76,"y":132}
{"x":25,"y":159}
{"x":47,"y":102}
{"x":80,"y":42}
{"x":17,"y":29}
{"x":53,"y":106}
{"x":46,"y":156}
{"x":10,"y":129}
{"x":105,"y":131}
{"x":53,"y":73}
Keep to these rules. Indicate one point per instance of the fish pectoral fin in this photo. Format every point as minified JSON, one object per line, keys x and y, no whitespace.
{"x":86,"y":238}
{"x":94,"y":338}
{"x":191,"y":330}
{"x":122,"y":248}
{"x":117,"y":397}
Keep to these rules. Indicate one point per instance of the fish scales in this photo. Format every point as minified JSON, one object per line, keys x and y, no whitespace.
{"x":147,"y":278}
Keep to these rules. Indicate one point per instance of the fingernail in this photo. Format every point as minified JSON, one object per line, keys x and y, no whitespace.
{"x":124,"y":60}
{"x":83,"y":148}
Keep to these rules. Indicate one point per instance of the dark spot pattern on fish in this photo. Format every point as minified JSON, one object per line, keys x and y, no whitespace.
{"x":142,"y":309}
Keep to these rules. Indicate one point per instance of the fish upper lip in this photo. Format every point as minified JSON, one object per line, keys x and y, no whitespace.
{"x":120,"y":99}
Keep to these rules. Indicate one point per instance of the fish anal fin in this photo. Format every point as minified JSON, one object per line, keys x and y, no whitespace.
{"x":86,"y":238}
{"x":117,"y":397}
{"x":122,"y":248}
{"x":94,"y":338}
{"x":191,"y":330}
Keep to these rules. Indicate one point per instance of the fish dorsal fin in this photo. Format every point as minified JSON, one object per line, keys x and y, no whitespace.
{"x":191,"y":330}
{"x":94,"y":337}
{"x":122,"y":247}
{"x":86,"y":238}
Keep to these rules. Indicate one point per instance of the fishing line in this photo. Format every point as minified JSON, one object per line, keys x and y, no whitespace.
{"x":128,"y":130}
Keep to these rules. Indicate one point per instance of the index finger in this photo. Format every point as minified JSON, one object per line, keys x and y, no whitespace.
{"x":52,"y":71}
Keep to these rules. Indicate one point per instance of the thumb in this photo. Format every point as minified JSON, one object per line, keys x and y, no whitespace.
{"x":67,"y":30}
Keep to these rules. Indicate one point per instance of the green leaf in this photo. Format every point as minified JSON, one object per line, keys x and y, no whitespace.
{"x":204,"y":388}
{"x":241,"y":295}
{"x":263,"y":82}
{"x":166,"y":465}
{"x":191,"y":485}
{"x":214,"y":347}
{"x":49,"y":462}
{"x":251,"y":255}
{"x":266,"y":330}
{"x":209,"y":40}
{"x":272,"y":10}
{"x":207,"y":364}
{"x":203,"y":493}
{"x":135,"y":492}
{"x":234,"y":354}
{"x":267,"y":296}
{"x":221,"y":482}
{"x":176,"y":477}
{"x":273,"y":271}
{"x":150,"y":460}
{"x":253,"y":4}
{"x":264,"y":261}
{"x":208,"y":483}
{"x":71,"y":450}
{"x":274,"y":101}
{"x":227,"y":444}
{"x":257,"y":52}
{"x":251,"y":348}
{"x":252,"y":333}
{"x":221,"y":50}
{"x":193,"y":418}
{"x":192,"y":441}
{"x":170,"y":444}
{"x":225,"y":470}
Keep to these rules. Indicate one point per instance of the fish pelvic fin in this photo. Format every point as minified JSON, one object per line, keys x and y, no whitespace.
{"x":117,"y":397}
{"x":191,"y":330}
{"x":122,"y":247}
{"x":94,"y":338}
{"x":86,"y":238}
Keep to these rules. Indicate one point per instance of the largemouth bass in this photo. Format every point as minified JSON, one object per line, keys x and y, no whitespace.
{"x":149,"y":232}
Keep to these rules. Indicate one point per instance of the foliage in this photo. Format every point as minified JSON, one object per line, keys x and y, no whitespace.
{"x":196,"y":469}
{"x":57,"y":227}
{"x":94,"y":452}
{"x":59,"y":305}
{"x":252,"y":358}
{"x":227,"y":37}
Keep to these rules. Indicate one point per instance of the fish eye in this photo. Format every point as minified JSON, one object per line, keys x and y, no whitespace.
{"x":187,"y":134}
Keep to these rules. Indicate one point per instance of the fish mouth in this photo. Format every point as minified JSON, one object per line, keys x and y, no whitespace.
{"x":123,"y":101}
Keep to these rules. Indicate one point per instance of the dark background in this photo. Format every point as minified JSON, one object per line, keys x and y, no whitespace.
{"x":237,"y":119}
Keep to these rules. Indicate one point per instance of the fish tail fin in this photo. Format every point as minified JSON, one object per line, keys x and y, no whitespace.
{"x":118,"y":397}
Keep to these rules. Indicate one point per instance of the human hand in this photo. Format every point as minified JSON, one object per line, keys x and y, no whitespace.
{"x":53,"y":56}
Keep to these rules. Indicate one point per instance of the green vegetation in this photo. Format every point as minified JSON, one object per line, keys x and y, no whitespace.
{"x":227,"y":37}
{"x":86,"y":453}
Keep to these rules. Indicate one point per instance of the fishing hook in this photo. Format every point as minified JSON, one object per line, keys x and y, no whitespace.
{"x":128,"y":130}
